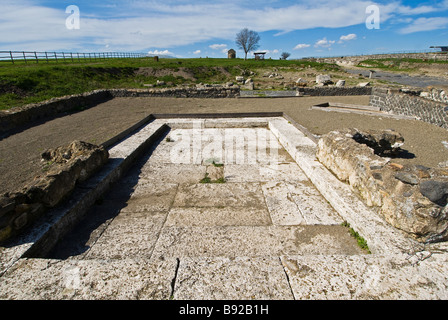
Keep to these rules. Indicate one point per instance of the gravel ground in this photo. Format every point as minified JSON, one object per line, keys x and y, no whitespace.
{"x":20,"y":154}
{"x":405,"y":79}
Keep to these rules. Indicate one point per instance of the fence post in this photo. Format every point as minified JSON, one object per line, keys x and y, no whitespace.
{"x":12,"y":58}
{"x":37,"y":59}
{"x":24,"y":57}
{"x":55,"y":56}
{"x":71,"y":55}
{"x":46,"y":56}
{"x":63,"y":56}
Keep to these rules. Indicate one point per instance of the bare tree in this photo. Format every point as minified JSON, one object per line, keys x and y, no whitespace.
{"x":247,"y":40}
{"x":285,"y":55}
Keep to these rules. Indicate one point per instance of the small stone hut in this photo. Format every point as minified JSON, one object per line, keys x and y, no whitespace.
{"x":231,"y":54}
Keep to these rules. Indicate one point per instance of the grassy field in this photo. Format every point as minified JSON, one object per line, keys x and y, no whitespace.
{"x":399,"y":64}
{"x":30,"y":83}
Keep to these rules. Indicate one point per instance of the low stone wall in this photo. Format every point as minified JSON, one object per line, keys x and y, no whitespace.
{"x":409,"y":104}
{"x":412,"y":198}
{"x":435,"y":94}
{"x":13,"y":118}
{"x":309,"y":91}
{"x":16,"y":117}
{"x":205,"y":92}
{"x":64,"y":168}
{"x":335,"y":91}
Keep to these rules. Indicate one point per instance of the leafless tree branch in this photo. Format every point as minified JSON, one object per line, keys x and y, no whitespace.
{"x":247,"y":40}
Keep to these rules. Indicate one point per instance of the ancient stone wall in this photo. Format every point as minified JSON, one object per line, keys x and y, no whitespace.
{"x":412,"y":198}
{"x":409,"y":104}
{"x":335,"y":91}
{"x":16,"y":117}
{"x":202,"y":92}
{"x":311,"y":91}
{"x":10,"y":119}
{"x":64,"y":168}
{"x":436,"y":56}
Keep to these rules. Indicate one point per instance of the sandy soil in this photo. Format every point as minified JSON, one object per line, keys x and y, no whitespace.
{"x":20,"y":154}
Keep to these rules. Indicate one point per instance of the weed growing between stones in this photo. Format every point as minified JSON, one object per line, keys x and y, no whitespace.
{"x":206,"y":179}
{"x":362,"y":243}
{"x":218,"y":165}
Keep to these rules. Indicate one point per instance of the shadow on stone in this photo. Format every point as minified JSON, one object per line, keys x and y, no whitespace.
{"x":81,"y":238}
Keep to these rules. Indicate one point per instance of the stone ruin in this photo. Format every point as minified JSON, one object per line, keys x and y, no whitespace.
{"x":63,"y":167}
{"x":412,"y":198}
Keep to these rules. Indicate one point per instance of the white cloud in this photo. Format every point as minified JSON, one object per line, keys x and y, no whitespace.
{"x":301,"y":46}
{"x":197,"y":52}
{"x":134,"y":25}
{"x":164,"y":53}
{"x":218,"y":46}
{"x":348,"y":37}
{"x":275,"y":51}
{"x":426,"y":24}
{"x":324,"y":43}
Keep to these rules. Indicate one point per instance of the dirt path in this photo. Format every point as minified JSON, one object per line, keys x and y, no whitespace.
{"x":20,"y":154}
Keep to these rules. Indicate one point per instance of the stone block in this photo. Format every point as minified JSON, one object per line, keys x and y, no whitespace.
{"x":217,"y":216}
{"x":221,"y":278}
{"x":410,"y":198}
{"x":219,"y":195}
{"x":323,"y":79}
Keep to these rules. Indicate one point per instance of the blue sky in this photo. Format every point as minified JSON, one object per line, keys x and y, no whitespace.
{"x":207,"y":28}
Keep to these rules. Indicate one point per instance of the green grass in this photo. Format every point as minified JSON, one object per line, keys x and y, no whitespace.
{"x":218,"y":165}
{"x":207,"y":179}
{"x":398,"y":64}
{"x":22,"y":83}
{"x":362,"y":243}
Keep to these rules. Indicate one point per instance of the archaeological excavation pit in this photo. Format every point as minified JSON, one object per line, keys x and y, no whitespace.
{"x":216,"y":207}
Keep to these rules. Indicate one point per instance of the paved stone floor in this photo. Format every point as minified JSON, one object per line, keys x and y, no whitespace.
{"x":227,"y":237}
{"x":217,"y":211}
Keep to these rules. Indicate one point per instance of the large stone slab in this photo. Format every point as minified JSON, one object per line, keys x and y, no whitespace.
{"x":217,"y":216}
{"x":242,"y":278}
{"x":340,"y":277}
{"x":293,"y":203}
{"x":254,"y":241}
{"x":129,"y":235}
{"x":127,"y":279}
{"x":162,"y":173}
{"x":281,"y":206}
{"x":281,"y":171}
{"x":220,"y":195}
{"x":151,"y":196}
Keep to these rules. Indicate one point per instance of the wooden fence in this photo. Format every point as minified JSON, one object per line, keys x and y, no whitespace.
{"x":36,"y":57}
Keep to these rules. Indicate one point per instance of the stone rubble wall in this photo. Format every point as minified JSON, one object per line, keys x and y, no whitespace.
{"x":434,"y":94}
{"x":411,"y":198}
{"x":356,"y":59}
{"x":410,"y":103}
{"x":202,"y":92}
{"x":324,"y":91}
{"x":64,"y":167}
{"x":335,"y":91}
{"x":13,"y":118}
